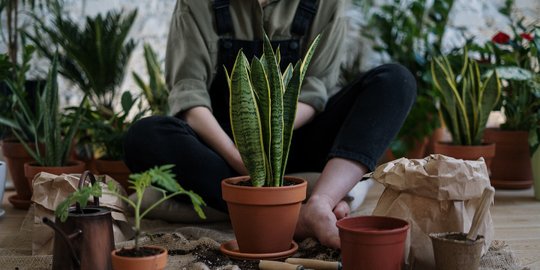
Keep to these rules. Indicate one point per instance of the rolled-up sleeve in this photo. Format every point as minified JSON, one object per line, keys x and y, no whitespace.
{"x":323,"y":72}
{"x":188,"y":65}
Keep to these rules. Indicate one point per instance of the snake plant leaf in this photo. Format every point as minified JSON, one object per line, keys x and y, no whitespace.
{"x":443,"y":86}
{"x":290,"y":102}
{"x":261,"y":87}
{"x":276,"y":111}
{"x":309,"y":55}
{"x":490,"y":93}
{"x":287,"y":74}
{"x":245,"y":121}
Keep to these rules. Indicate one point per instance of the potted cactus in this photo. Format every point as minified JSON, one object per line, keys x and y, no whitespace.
{"x":466,"y":102}
{"x":262,"y":109}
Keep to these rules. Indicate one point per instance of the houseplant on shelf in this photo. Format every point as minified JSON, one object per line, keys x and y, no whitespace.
{"x":467,"y":99}
{"x":262,"y":110}
{"x":517,"y":65}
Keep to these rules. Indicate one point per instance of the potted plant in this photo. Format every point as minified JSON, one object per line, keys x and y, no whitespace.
{"x":159,"y":178}
{"x":516,"y":65}
{"x":57,"y":142}
{"x":265,"y":205}
{"x":466,"y":101}
{"x":155,"y":91}
{"x":94,"y":57}
{"x":418,"y":27}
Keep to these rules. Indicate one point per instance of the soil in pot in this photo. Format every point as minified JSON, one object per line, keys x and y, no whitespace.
{"x":365,"y":240}
{"x":131,"y":261}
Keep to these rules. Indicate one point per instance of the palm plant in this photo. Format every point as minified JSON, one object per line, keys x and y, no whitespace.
{"x":466,"y":98}
{"x":263,"y":103}
{"x":155,"y":91}
{"x":93,"y":57}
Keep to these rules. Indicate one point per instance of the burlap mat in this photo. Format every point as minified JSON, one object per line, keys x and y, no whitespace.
{"x":197,"y":248}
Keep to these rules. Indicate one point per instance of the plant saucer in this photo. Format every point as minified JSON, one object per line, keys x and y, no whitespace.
{"x":18,"y":203}
{"x":230,"y":249}
{"x":511,"y":184}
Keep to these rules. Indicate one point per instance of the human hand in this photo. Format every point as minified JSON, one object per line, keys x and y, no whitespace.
{"x":318,"y":219}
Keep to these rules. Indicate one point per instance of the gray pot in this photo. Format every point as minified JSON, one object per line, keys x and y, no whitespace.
{"x":2,"y":184}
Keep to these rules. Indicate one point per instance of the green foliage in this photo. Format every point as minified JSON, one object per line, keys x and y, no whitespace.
{"x":466,"y":99}
{"x":93,"y":57}
{"x":6,"y":72}
{"x":158,"y":178}
{"x":80,"y":196}
{"x":263,"y":103}
{"x":411,"y":33}
{"x":155,"y":91}
{"x":106,"y":133}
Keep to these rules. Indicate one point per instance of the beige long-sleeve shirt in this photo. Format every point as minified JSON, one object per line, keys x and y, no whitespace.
{"x":192,"y":49}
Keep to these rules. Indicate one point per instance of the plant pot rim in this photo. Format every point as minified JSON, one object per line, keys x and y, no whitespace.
{"x":450,"y":144}
{"x":99,"y":211}
{"x":231,"y":181}
{"x":441,"y":236}
{"x":403,"y":225}
{"x":164,"y":252}
{"x":71,"y":163}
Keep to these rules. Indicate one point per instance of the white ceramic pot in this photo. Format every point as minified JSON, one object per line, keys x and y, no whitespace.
{"x":2,"y":184}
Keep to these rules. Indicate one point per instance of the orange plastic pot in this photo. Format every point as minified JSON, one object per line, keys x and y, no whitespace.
{"x":263,"y":218}
{"x":16,"y":155}
{"x":372,"y":242}
{"x":156,"y":262}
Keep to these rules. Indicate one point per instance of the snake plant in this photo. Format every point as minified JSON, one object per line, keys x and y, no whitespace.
{"x":466,"y":98}
{"x":263,"y":103}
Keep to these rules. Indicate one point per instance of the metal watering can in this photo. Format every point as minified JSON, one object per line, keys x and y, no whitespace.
{"x":86,"y":237}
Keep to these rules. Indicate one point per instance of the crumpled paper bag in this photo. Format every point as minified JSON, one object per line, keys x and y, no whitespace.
{"x":50,"y":190}
{"x":434,"y":194}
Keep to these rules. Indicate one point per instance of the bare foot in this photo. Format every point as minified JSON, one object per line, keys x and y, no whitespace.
{"x":317,"y":219}
{"x":342,"y":210}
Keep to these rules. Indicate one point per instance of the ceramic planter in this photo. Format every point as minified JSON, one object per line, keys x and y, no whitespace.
{"x":16,"y":155}
{"x":117,"y":169}
{"x":372,"y":242}
{"x":511,"y":166}
{"x":156,"y":262}
{"x":31,"y":169}
{"x":263,"y":218}
{"x":467,"y":152}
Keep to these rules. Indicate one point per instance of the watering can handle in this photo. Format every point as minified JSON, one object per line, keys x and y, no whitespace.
{"x":82,"y":180}
{"x":66,"y":239}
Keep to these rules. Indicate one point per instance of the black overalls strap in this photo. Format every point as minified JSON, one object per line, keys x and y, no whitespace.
{"x":229,"y":48}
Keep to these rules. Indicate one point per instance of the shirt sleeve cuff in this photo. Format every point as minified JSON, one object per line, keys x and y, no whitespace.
{"x":187,"y":94}
{"x":313,"y":93}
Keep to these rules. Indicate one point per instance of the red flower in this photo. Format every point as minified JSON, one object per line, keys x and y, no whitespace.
{"x":526,"y":36}
{"x":501,"y":38}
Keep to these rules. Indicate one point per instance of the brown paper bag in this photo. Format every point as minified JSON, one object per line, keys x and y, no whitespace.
{"x":434,"y":194}
{"x":50,"y":190}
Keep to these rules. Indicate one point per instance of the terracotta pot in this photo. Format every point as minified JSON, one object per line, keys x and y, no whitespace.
{"x":31,"y":169}
{"x":440,"y":134}
{"x":263,"y":218}
{"x":536,"y":173}
{"x":467,"y":152}
{"x":116,"y":169}
{"x":16,"y":155}
{"x":156,"y":262}
{"x":511,"y":166}
{"x":372,"y":242}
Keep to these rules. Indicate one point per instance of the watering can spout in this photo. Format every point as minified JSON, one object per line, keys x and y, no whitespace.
{"x":66,"y":239}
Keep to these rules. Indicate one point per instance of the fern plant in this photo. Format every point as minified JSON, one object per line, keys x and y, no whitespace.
{"x":466,"y":98}
{"x":263,"y":103}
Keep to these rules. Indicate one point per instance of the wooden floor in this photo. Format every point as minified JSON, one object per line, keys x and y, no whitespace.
{"x":516,"y":216}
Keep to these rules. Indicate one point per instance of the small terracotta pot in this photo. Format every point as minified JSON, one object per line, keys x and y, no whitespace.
{"x":511,"y":166}
{"x":31,"y":169}
{"x":453,"y":251}
{"x":16,"y":155}
{"x":467,"y":152}
{"x":372,"y":242}
{"x":263,"y":218}
{"x":117,"y":169}
{"x":156,"y":262}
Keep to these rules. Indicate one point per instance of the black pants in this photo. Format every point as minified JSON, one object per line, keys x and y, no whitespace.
{"x":358,"y":124}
